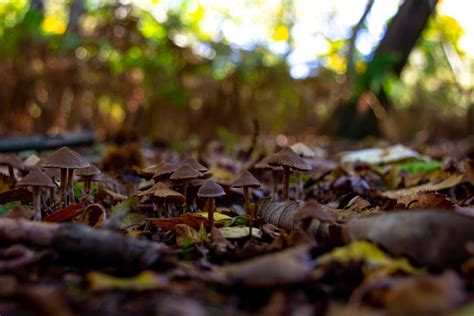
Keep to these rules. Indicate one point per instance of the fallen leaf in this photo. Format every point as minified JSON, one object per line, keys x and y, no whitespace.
{"x":217,"y":216}
{"x":380,"y":155}
{"x":430,"y":237}
{"x":146,"y":280}
{"x":236,"y":232}
{"x":66,"y":214}
{"x":292,"y":265}
{"x":187,"y":218}
{"x":447,"y":183}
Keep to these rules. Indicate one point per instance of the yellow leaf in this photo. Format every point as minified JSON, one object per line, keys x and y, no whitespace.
{"x":217,"y":216}
{"x":147,"y":280}
{"x":236,"y":232}
{"x":374,"y":258}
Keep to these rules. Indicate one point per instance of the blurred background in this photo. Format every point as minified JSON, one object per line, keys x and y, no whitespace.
{"x":170,"y":69}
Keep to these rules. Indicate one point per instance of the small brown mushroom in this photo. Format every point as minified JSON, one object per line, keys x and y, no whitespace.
{"x":66,"y":160}
{"x":88,"y":174}
{"x":36,"y":179}
{"x":246,"y":181}
{"x":165,"y":171}
{"x":210,"y":190}
{"x":194,"y":164}
{"x":304,"y":152}
{"x":184,"y":174}
{"x":12,"y":162}
{"x":287,"y":159}
{"x":167,"y":196}
{"x":263,"y":164}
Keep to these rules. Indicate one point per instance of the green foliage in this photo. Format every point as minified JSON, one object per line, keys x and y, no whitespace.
{"x":7,"y":207}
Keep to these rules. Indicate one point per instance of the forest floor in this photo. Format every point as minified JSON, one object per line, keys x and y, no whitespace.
{"x":366,"y":229}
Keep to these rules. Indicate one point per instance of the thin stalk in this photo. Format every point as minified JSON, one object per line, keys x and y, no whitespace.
{"x":11,"y":172}
{"x":63,"y":186}
{"x":185,"y":193}
{"x":274,"y":194}
{"x":286,"y":182}
{"x":37,"y":203}
{"x":210,"y":210}
{"x":247,"y":200}
{"x":299,"y":185}
{"x":70,"y":176}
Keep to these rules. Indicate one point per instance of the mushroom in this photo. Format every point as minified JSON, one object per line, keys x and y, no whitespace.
{"x":166,"y":195}
{"x":287,"y":159}
{"x":246,"y":181}
{"x":194,"y":164}
{"x":36,"y":179}
{"x":149,"y":171}
{"x":12,"y":162}
{"x":165,"y":171}
{"x":304,"y":152}
{"x":66,"y":160}
{"x":88,"y":175}
{"x":210,"y":190}
{"x":184,"y":174}
{"x":263,"y":164}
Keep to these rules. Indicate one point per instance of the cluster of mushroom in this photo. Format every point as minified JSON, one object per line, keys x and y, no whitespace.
{"x":287,"y":160}
{"x":66,"y":161}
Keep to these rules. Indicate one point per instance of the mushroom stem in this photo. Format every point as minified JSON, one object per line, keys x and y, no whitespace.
{"x":11,"y":172}
{"x":37,"y":203}
{"x":185,"y":193}
{"x":210,"y":211}
{"x":70,"y":175}
{"x":286,"y":182}
{"x":63,"y":186}
{"x":274,"y":185}
{"x":87,"y":184}
{"x":247,"y":200}
{"x":51,"y":194}
{"x":299,"y":185}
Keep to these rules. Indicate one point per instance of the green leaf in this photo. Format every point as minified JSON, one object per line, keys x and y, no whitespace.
{"x":7,"y":207}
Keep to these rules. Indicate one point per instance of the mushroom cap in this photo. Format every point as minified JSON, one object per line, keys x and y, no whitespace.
{"x":210,"y":188}
{"x":88,"y":171}
{"x":150,"y":170}
{"x":312,"y":209}
{"x":302,"y":150}
{"x":263,"y":164}
{"x":194,"y":164}
{"x":65,"y":158}
{"x":12,"y":160}
{"x":246,"y":179}
{"x":288,"y":158}
{"x":185,"y":172}
{"x":162,"y":191}
{"x":31,"y":161}
{"x":36,"y":178}
{"x":165,"y":169}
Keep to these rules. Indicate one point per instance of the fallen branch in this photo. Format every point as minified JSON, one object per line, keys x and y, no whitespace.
{"x":38,"y":142}
{"x":81,"y":241}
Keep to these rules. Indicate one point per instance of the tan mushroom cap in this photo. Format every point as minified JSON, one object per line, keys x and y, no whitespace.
{"x":302,"y":150}
{"x":36,"y":178}
{"x":288,"y":158}
{"x":263,"y":164}
{"x":185,"y":172}
{"x":210,"y":188}
{"x":246,"y":179}
{"x":65,"y":158}
{"x":164,"y":192}
{"x":88,"y":171}
{"x":31,"y":161}
{"x":165,"y":169}
{"x":12,"y":160}
{"x":194,"y":164}
{"x":312,"y":209}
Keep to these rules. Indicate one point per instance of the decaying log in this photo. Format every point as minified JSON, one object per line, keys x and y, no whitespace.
{"x":83,"y":242}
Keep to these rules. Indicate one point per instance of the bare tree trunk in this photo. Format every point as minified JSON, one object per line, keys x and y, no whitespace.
{"x":398,"y":41}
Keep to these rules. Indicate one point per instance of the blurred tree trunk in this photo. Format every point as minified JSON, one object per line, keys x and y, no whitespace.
{"x":399,"y":40}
